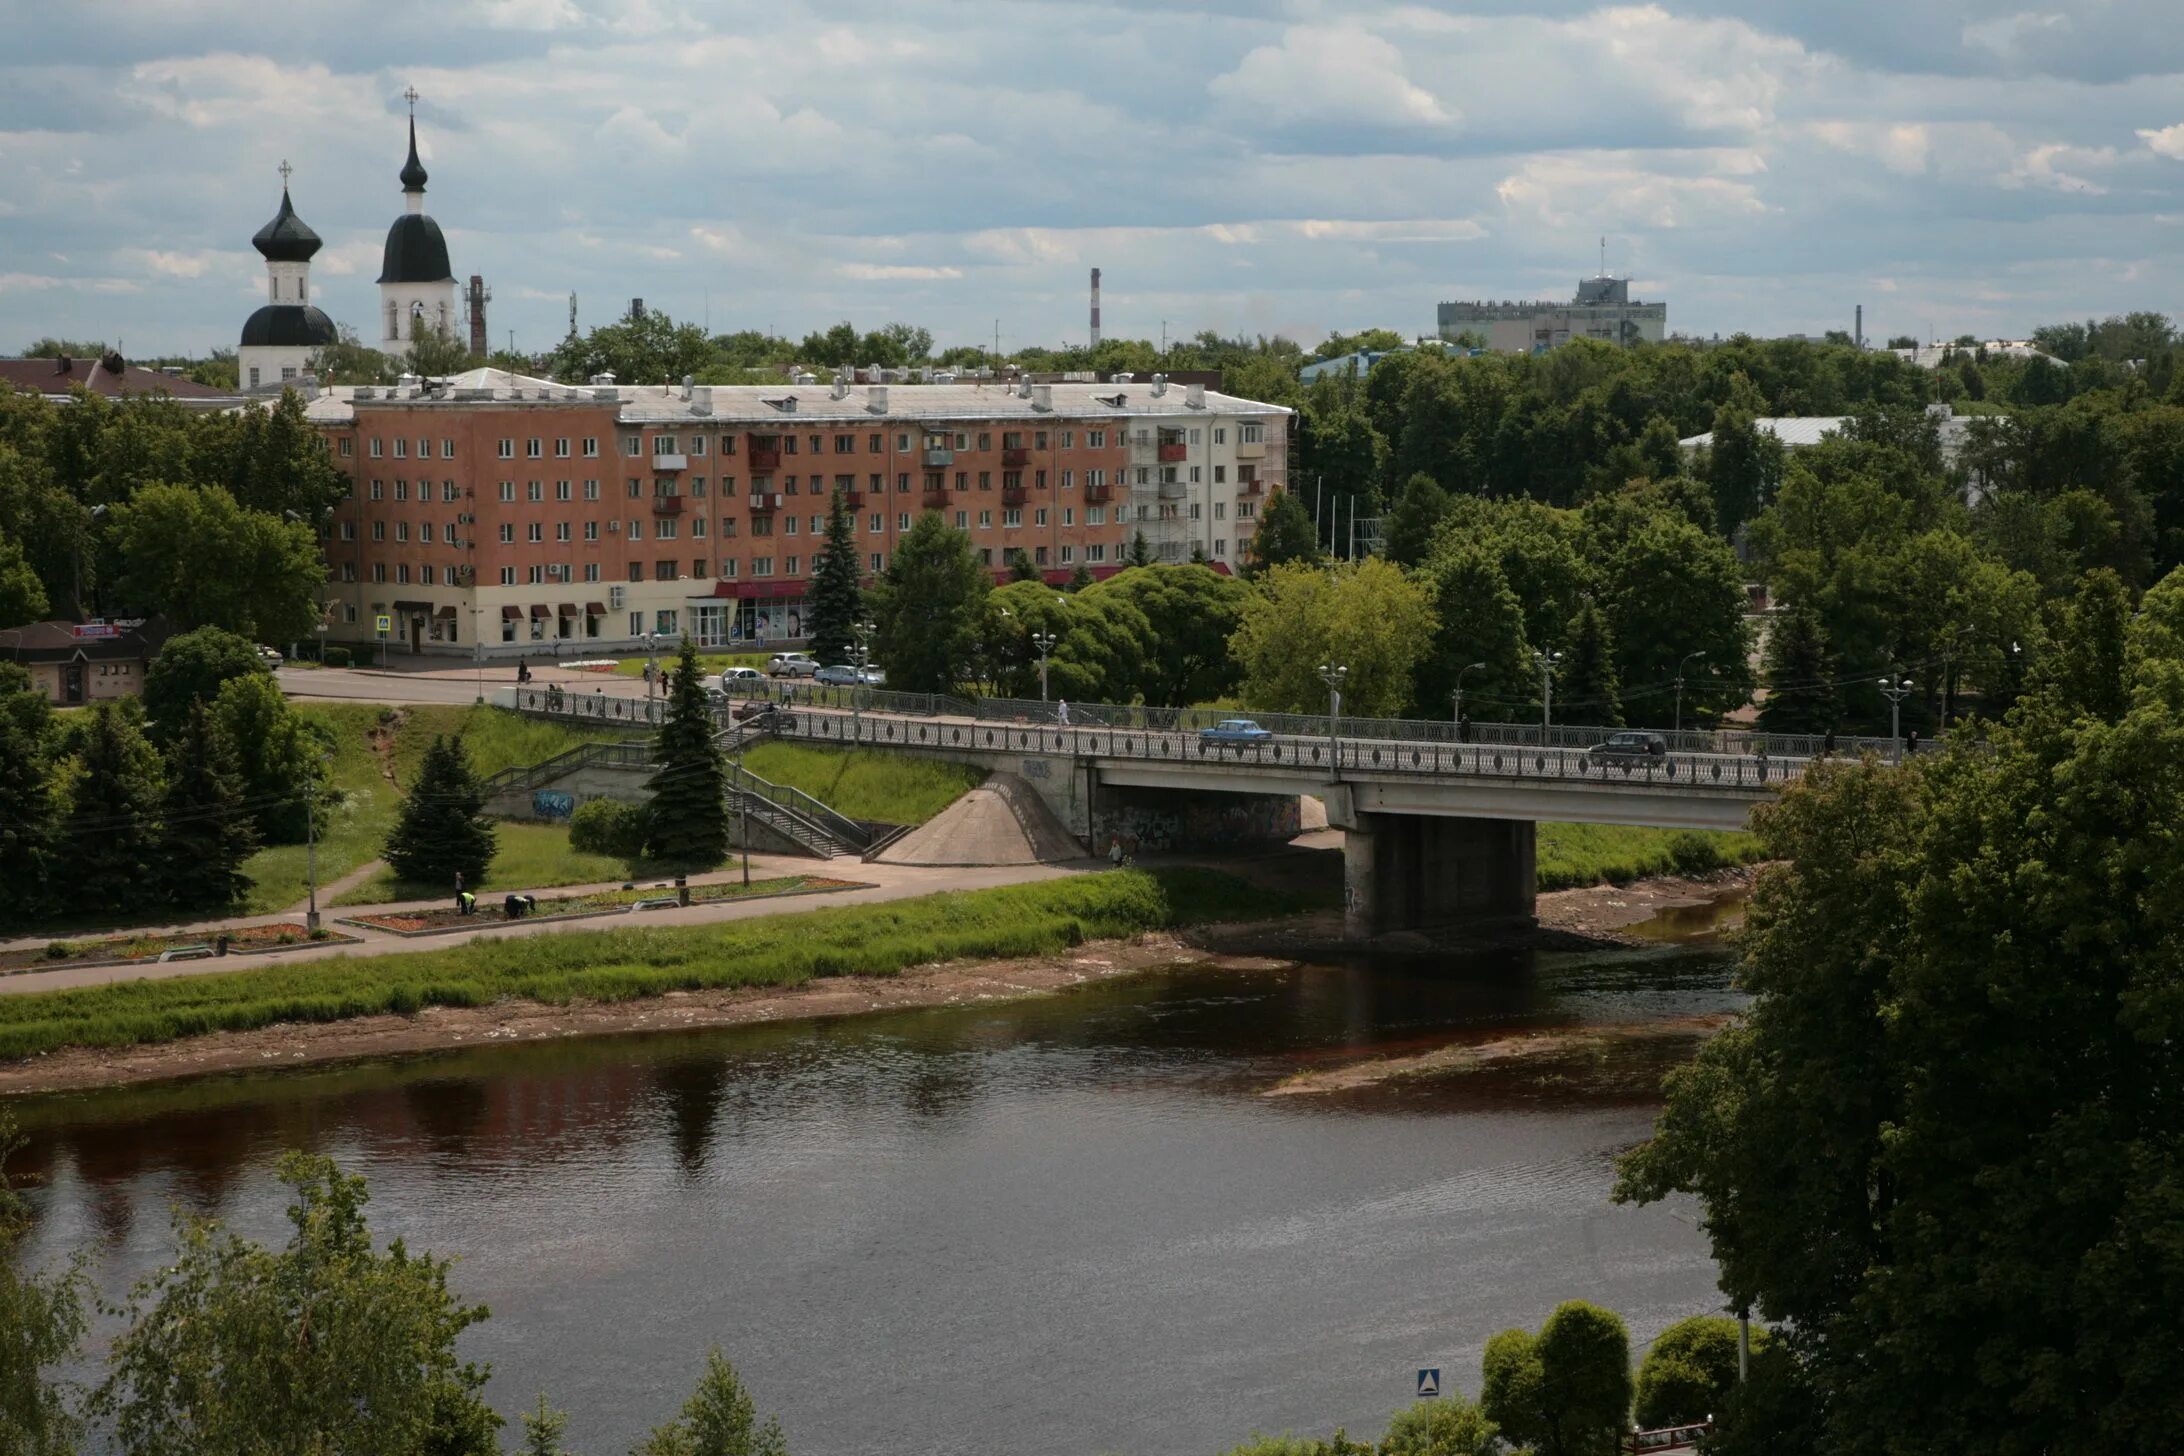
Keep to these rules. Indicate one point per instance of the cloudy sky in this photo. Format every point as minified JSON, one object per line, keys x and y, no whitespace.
{"x":1291,"y":165}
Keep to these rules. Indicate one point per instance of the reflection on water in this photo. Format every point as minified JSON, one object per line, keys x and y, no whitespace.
{"x":1067,"y":1224}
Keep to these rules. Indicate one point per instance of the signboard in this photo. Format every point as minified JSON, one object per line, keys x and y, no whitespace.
{"x":382,"y":624}
{"x":1429,"y":1383}
{"x":99,"y":627}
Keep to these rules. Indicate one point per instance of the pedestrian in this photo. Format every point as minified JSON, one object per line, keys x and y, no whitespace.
{"x":465,"y":903}
{"x":1114,"y":850}
{"x":523,"y":672}
{"x":1911,"y":742}
{"x":1061,"y":712}
{"x":1827,"y":745}
{"x":458,"y":884}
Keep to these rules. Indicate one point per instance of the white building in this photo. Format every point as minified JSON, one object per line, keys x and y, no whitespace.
{"x":280,"y":339}
{"x":416,"y":285}
{"x":1603,"y":310}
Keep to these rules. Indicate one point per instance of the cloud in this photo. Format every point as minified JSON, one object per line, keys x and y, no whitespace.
{"x":2167,"y":142}
{"x":1611,"y":190}
{"x":893,"y":272}
{"x":1328,"y":75}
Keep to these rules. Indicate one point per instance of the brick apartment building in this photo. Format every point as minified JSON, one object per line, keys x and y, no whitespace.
{"x":538,"y":517}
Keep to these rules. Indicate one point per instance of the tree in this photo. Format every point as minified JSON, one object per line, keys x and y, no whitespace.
{"x":1691,"y":1371}
{"x":719,"y":1419}
{"x":928,"y":605}
{"x":1565,"y":1391}
{"x":1417,"y":515}
{"x":1285,"y":535}
{"x":441,"y":832}
{"x":1081,"y":578}
{"x":687,"y":822}
{"x":835,"y":602}
{"x":1141,"y":551}
{"x":269,"y":568}
{"x":1671,"y":590}
{"x":1021,"y":567}
{"x":22,"y":594}
{"x":29,"y":811}
{"x":209,"y":831}
{"x":1478,"y":620}
{"x":281,"y":757}
{"x":349,"y":360}
{"x":1590,"y":692}
{"x":112,"y":831}
{"x":1189,"y":612}
{"x":2093,"y":675}
{"x":434,"y":355}
{"x":190,"y":669}
{"x":326,"y":1345}
{"x":275,"y":460}
{"x":649,"y":349}
{"x":1743,"y":466}
{"x":1447,"y":1426}
{"x":1800,"y":676}
{"x":42,"y":1316}
{"x":1367,"y":616}
{"x":543,"y":1426}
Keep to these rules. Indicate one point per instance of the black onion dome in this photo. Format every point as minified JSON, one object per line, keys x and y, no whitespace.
{"x":413,"y":171}
{"x":416,"y":253}
{"x":286,"y":239}
{"x":283,"y":325}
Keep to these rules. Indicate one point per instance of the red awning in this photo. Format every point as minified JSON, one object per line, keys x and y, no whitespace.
{"x":445,"y":611}
{"x":540,"y":612}
{"x":566,"y":609}
{"x":786,"y":591}
{"x":595,"y":609}
{"x":511,"y":614}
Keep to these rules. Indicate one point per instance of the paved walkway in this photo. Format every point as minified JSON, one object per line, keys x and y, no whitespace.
{"x":878,"y":881}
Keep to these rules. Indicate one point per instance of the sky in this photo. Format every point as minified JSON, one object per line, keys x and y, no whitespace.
{"x":1290,"y":166}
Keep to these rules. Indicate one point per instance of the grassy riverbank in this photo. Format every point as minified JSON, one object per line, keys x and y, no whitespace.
{"x":1571,"y":856}
{"x":623,"y":964}
{"x":887,"y":788}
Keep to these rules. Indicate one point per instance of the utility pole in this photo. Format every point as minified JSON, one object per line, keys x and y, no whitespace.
{"x":1457,"y":714}
{"x":1546,"y":662}
{"x":1895,"y":690}
{"x":1334,"y":676}
{"x":1687,"y":658}
{"x":310,"y":852}
{"x":1043,"y":643}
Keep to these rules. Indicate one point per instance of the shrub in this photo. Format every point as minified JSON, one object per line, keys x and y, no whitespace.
{"x":59,"y":950}
{"x":336,"y":657}
{"x":609,"y":827}
{"x":1690,"y":1372}
{"x":1449,"y":1427}
{"x":1694,"y":854}
{"x":1569,"y":1388}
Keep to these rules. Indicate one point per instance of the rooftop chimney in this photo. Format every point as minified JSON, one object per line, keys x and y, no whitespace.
{"x":1194,"y":395}
{"x":1160,"y":385}
{"x":876,"y":399}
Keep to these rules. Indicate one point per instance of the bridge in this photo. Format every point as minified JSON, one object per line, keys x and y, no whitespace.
{"x":1436,"y":831}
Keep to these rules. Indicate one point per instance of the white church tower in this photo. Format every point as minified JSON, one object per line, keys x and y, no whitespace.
{"x":416,"y":285}
{"x":281,"y":339}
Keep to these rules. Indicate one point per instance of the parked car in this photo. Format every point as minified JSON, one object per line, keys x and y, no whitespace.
{"x":792,"y":664}
{"x":271,"y":657}
{"x":836,"y":675}
{"x":736,"y":682}
{"x":873,"y":677}
{"x":754,"y":708}
{"x":1231,"y":732}
{"x":1630,"y":745}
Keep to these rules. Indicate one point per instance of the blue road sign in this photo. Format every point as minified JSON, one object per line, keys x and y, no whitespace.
{"x":1429,"y":1383}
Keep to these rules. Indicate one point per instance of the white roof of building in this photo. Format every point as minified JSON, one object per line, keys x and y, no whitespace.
{"x":1930,"y":356}
{"x":1791,"y":430}
{"x":789,"y":405}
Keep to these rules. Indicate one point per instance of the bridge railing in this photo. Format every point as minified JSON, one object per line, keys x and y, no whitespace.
{"x":1306,"y":753}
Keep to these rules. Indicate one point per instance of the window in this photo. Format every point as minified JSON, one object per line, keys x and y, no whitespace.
{"x":788,"y":444}
{"x":591,"y":490}
{"x":962,"y":520}
{"x":1069,"y":439}
{"x":877,"y":523}
{"x":449,"y":491}
{"x":424,"y":533}
{"x":561,"y":530}
{"x":727,"y":568}
{"x":844,"y":445}
{"x":663,"y":571}
{"x":762,"y":566}
{"x":507,"y":450}
{"x":962,"y":480}
{"x":1068,"y":553}
{"x":1252,"y":433}
{"x":874,"y":563}
{"x":508,"y":577}
{"x":697,"y":527}
{"x":561,"y":447}
{"x":401,"y":490}
{"x":636,"y":571}
{"x":1012,"y":518}
{"x":562,"y":490}
{"x":429,"y":576}
{"x":697,"y":485}
{"x":1095,"y":552}
{"x":401,"y":448}
{"x":985,"y":520}
{"x":632,"y":446}
{"x":375,"y":442}
{"x":348,"y":571}
{"x":535,"y":532}
{"x":902,"y":442}
{"x":348,"y":447}
{"x":818,"y":444}
{"x":591,"y":530}
{"x":591,"y":571}
{"x":508,"y":533}
{"x":788,"y":565}
{"x":788,"y":525}
{"x":664,"y":445}
{"x":536,"y":576}
{"x":985,"y":480}
{"x":1069,"y":515}
{"x":1220,"y":545}
{"x":663,"y":621}
{"x":424,"y":449}
{"x":1194,"y":475}
{"x":877,"y":444}
{"x":401,"y":574}
{"x":534,"y":491}
{"x":1038,"y":556}
{"x":636,"y":488}
{"x":1039,"y":516}
{"x":697,"y":566}
{"x":379,"y":571}
{"x":902,"y":482}
{"x":636,"y":530}
{"x":1220,"y":474}
{"x":379,"y":530}
{"x":348,"y":530}
{"x":985,"y":439}
{"x":697,"y":447}
{"x":534,"y":448}
{"x":664,"y":530}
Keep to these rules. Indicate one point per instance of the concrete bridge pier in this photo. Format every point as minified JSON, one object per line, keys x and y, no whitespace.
{"x":1423,"y":872}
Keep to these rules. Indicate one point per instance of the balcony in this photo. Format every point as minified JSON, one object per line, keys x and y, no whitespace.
{"x":1251,"y":487}
{"x":1014,"y":495}
{"x":1173,"y":490}
{"x":1015,"y":457}
{"x":1250,"y":449}
{"x":1098,"y":495}
{"x":936,"y":500}
{"x":763,"y":502}
{"x":1170,"y":454}
{"x":938,"y":455}
{"x":765,"y":457}
{"x":853,"y":499}
{"x":670,"y":462}
{"x":667,"y":505}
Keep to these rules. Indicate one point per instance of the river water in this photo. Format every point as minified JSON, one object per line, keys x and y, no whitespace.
{"x":1067,"y":1225}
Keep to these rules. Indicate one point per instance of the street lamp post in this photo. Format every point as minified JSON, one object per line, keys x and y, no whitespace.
{"x":1456,"y":712}
{"x":1895,"y":689}
{"x":310,"y":850}
{"x":1334,"y":675}
{"x":1546,"y":661}
{"x":477,"y":646}
{"x":1688,"y":659}
{"x":1043,"y":643}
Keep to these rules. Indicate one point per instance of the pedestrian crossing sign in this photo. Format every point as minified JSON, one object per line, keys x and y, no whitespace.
{"x":1429,"y":1383}
{"x":383,"y":624}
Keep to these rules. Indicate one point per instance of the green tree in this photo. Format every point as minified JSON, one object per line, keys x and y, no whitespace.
{"x":1800,"y":671}
{"x":1478,"y":620}
{"x":1690,"y":1373}
{"x":1021,"y":567}
{"x":327,"y":1345}
{"x":281,"y":757}
{"x":1742,"y":466}
{"x":22,"y":594}
{"x":441,"y":832}
{"x":1447,"y":1426}
{"x":29,"y":811}
{"x":2093,"y":675}
{"x":1670,"y":590}
{"x":1285,"y":535}
{"x":1190,"y":612}
{"x":928,"y":606}
{"x":687,"y":822}
{"x":1565,"y":1391}
{"x":1141,"y":551}
{"x":434,"y":355}
{"x":190,"y":669}
{"x":544,"y":1426}
{"x":1417,"y":516}
{"x":208,"y":825}
{"x":719,"y":1419}
{"x":276,"y":461}
{"x":112,"y":834}
{"x":1081,"y":578}
{"x":835,"y":602}
{"x":269,"y":569}
{"x":653,"y":349}
{"x":42,"y":1318}
{"x":1590,"y":691}
{"x":349,"y":360}
{"x":1367,"y":617}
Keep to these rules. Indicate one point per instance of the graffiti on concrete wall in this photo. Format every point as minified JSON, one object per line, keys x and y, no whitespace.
{"x":1164,"y":820}
{"x":553,"y":804}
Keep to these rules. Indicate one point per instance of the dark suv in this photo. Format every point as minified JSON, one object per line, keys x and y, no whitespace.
{"x":1628,"y":745}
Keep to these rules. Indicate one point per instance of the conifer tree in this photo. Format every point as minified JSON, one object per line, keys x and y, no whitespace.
{"x":1589,"y":686}
{"x":113,"y":830}
{"x":1141,"y":550}
{"x":1022,"y":568}
{"x":441,"y":831}
{"x":1081,"y":578}
{"x":1285,"y":534}
{"x":209,"y":832}
{"x":836,"y":600}
{"x":930,"y":606}
{"x":29,"y":817}
{"x":1417,"y":515}
{"x":688,"y":818}
{"x":1800,"y":674}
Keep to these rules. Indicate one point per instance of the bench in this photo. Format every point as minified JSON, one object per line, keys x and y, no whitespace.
{"x":187,"y":953}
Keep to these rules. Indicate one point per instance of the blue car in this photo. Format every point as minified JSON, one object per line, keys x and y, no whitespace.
{"x":1235,"y":732}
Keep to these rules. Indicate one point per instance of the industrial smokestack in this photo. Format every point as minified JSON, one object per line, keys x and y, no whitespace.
{"x":1095,"y":308}
{"x":1857,"y":333}
{"x":480,"y":295}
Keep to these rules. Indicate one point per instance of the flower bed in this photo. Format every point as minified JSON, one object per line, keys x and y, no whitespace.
{"x":123,"y":949}
{"x":440,"y":918}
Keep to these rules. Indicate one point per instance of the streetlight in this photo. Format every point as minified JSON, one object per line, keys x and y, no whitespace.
{"x":1456,"y":714}
{"x":1688,"y":658}
{"x":98,"y":513}
{"x":1043,"y":643}
{"x":1334,"y":676}
{"x":310,"y":848}
{"x":1546,"y":663}
{"x":864,"y":632}
{"x":477,"y":645}
{"x":1895,"y":690}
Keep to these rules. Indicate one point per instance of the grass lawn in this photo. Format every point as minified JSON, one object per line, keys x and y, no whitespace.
{"x":708,"y":662}
{"x":1573,"y":855}
{"x":888,"y":788}
{"x":626,"y":963}
{"x":529,"y":857}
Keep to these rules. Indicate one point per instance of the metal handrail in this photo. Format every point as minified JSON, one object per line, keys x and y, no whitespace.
{"x":795,"y":801}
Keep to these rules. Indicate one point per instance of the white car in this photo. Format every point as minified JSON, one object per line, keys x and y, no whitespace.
{"x":270,"y":656}
{"x":736,"y":682}
{"x":792,"y":664}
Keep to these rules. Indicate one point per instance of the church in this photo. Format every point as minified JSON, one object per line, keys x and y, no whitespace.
{"x":417,"y":293}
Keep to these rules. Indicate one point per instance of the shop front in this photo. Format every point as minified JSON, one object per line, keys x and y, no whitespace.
{"x":749,"y":614}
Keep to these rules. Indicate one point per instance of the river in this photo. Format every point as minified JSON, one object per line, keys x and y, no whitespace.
{"x":1066,"y":1225}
